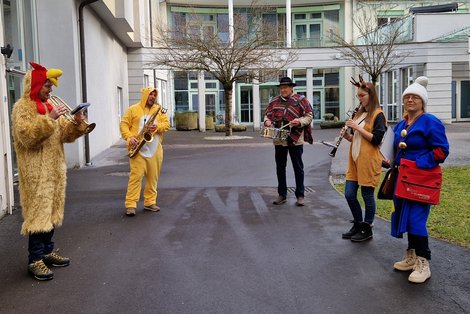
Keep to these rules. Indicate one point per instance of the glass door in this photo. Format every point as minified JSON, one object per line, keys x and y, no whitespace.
{"x":211,"y":100}
{"x":317,"y":105}
{"x":266,"y":93}
{"x":246,"y":104}
{"x":464,"y":100}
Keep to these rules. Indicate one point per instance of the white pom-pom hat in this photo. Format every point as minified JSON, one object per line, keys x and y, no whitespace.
{"x":418,"y":88}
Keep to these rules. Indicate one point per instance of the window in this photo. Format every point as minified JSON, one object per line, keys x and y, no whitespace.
{"x":315,"y":15}
{"x":314,"y":29}
{"x":300,"y":77}
{"x":181,"y":80}
{"x":119,"y":101}
{"x":181,"y":101}
{"x":300,"y":16}
{"x":146,"y":80}
{"x":331,"y":94}
{"x":386,"y":20}
{"x":222,"y":27}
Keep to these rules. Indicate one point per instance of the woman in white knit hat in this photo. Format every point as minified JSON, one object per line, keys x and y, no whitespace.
{"x":419,"y":137}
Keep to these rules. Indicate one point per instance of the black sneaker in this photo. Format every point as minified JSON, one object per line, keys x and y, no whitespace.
{"x":40,"y":271}
{"x":354,"y":229}
{"x":364,"y":234}
{"x":53,"y":259}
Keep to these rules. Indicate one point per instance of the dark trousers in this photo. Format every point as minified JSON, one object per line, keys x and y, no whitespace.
{"x":39,"y":245}
{"x":420,"y":244}
{"x":295,"y":153}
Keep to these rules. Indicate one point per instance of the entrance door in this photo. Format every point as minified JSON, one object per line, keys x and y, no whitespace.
{"x":211,"y":99}
{"x":246,"y":104}
{"x":266,"y":93}
{"x":464,"y":100}
{"x":317,"y":101}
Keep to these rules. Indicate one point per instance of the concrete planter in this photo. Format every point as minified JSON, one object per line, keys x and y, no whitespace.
{"x":186,"y":121}
{"x":210,"y":123}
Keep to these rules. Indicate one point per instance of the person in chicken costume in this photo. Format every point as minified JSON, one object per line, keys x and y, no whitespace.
{"x":148,"y":161}
{"x":39,"y":131}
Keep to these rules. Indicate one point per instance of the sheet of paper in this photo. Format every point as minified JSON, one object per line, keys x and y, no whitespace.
{"x":79,"y":108}
{"x":387,"y":149}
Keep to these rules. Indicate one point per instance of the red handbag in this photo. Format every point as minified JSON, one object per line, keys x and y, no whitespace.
{"x":416,"y":184}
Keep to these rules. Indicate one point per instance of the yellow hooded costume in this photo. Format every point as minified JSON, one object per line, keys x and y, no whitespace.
{"x":38,"y":141}
{"x":149,"y":159}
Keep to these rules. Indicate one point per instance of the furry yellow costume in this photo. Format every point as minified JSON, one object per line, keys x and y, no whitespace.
{"x":38,"y":141}
{"x":149,"y":160}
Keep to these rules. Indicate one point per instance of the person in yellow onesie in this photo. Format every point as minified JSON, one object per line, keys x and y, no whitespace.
{"x":148,"y":161}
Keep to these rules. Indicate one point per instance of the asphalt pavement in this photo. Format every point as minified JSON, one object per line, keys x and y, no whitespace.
{"x":219,"y":245}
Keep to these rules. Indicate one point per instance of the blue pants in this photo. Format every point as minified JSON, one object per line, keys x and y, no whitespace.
{"x":39,"y":245}
{"x":295,"y":153}
{"x":350,"y":192}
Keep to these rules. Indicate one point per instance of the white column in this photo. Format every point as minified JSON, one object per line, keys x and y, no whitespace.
{"x":309,"y":77}
{"x":201,"y":91}
{"x":256,"y":106}
{"x":230,"y":20}
{"x":234,"y":105}
{"x":230,"y":27}
{"x":348,"y":20}
{"x":288,"y":31}
{"x":288,"y":24}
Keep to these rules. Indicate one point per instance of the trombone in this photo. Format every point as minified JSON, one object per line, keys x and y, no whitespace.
{"x":84,"y":125}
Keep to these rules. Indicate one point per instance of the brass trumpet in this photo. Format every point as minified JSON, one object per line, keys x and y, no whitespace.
{"x":83,"y":126}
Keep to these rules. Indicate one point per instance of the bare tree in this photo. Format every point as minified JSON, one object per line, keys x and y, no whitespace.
{"x":375,"y":50}
{"x":255,"y":52}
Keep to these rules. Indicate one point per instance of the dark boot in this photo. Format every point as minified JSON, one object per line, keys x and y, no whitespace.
{"x":365,"y":233}
{"x":354,"y":229}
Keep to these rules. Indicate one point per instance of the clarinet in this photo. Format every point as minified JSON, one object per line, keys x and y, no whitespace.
{"x":343,"y":131}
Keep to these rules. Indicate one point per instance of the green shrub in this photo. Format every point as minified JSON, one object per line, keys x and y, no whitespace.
{"x":331,"y":124}
{"x":235,"y":128}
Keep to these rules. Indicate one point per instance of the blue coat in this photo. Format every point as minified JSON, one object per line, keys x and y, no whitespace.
{"x":425,"y":135}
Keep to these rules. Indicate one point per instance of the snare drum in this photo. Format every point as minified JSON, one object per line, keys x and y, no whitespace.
{"x":274,"y":133}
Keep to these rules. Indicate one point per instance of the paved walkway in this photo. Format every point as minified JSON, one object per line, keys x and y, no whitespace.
{"x":220,"y":246}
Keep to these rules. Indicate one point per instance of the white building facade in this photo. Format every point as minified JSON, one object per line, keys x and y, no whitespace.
{"x":320,"y":75}
{"x":103,"y":47}
{"x":89,"y":42}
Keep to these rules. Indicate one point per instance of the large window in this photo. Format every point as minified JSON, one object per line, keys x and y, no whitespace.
{"x":331,"y":77}
{"x":201,"y":23}
{"x":181,"y":84}
{"x":314,"y":29}
{"x":187,"y":97}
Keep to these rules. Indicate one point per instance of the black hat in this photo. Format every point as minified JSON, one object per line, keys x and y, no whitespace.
{"x":286,"y":81}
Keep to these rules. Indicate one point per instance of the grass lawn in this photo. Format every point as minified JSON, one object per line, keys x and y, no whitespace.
{"x":450,"y":220}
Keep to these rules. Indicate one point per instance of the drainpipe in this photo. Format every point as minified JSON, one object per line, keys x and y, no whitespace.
{"x":83,"y":69}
